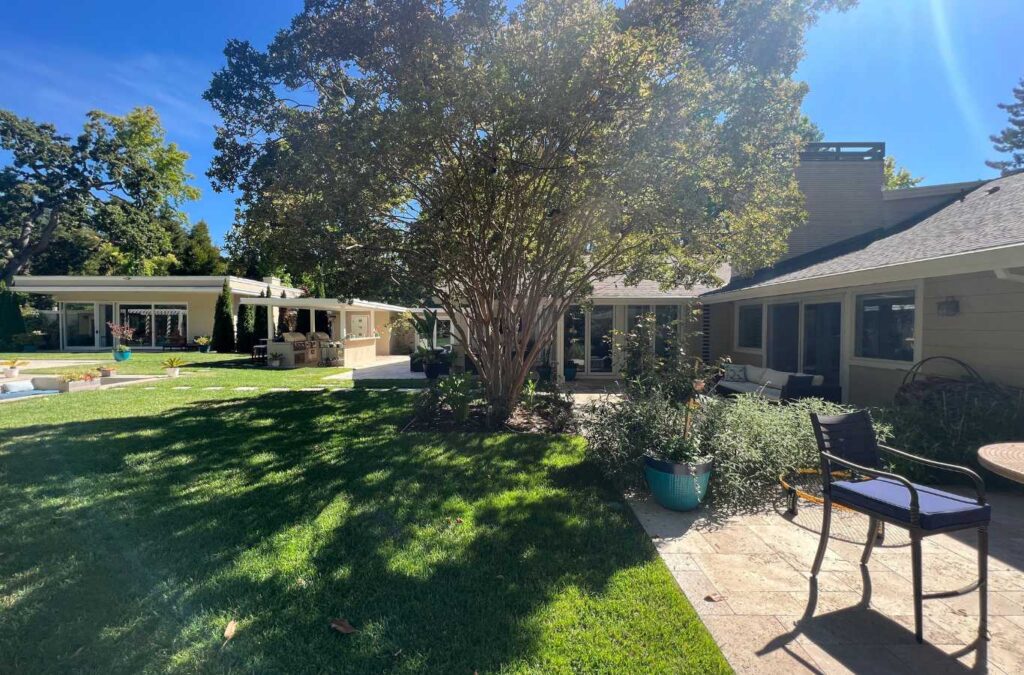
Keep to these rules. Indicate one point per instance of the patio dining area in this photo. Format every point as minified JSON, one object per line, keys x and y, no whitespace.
{"x":749,"y":578}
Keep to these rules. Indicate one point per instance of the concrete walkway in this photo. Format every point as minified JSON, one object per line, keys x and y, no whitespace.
{"x":749,"y":579}
{"x":395,"y":367}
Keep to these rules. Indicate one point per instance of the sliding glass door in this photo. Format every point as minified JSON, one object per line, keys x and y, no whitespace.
{"x":823,"y":340}
{"x":784,"y":337}
{"x":601,"y":325}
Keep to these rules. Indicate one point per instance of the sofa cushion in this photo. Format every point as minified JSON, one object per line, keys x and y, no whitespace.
{"x":773,"y":378}
{"x":12,"y":387}
{"x":735,"y":372}
{"x":754,"y":373}
{"x":891,"y":498}
{"x":750,"y":388}
{"x":818,"y":380}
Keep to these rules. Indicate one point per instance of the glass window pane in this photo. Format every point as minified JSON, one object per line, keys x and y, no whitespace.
{"x":748,"y":332}
{"x":634,"y":313}
{"x":139,"y":317}
{"x":601,"y":339}
{"x":667,"y":320}
{"x":79,"y":324}
{"x":575,"y":327}
{"x":822,"y":340}
{"x":444,"y":333}
{"x":784,"y":337}
{"x":170,"y":324}
{"x":885,"y":326}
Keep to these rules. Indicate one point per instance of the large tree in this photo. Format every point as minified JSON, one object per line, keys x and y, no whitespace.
{"x":119,"y":177}
{"x":506,"y":158}
{"x":197,"y":254}
{"x":1011,"y":139}
{"x":896,"y":177}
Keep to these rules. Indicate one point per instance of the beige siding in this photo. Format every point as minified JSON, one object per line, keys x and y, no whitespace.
{"x":873,"y":386}
{"x":721,"y":337}
{"x":988,"y":332}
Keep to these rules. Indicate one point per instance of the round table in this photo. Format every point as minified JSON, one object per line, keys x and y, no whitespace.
{"x":1005,"y":459}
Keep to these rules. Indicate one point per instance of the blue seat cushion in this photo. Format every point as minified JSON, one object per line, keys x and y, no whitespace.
{"x":24,"y":394}
{"x":891,"y":499}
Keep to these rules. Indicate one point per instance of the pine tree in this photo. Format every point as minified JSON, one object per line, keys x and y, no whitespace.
{"x":260,"y":321}
{"x":1011,"y":139}
{"x":245,"y":329}
{"x":223,"y":338}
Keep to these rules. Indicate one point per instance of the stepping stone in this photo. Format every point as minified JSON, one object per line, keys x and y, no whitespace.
{"x":212,"y":388}
{"x":312,"y":389}
{"x":178,"y":388}
{"x":246,"y":388}
{"x":279,"y":389}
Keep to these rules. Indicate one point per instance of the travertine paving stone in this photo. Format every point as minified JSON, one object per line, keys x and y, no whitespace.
{"x":748,"y":577}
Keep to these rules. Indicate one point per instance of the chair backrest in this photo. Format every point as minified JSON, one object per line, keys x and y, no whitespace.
{"x":850,"y":436}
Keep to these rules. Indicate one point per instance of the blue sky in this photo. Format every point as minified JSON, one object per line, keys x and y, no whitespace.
{"x":922,"y":75}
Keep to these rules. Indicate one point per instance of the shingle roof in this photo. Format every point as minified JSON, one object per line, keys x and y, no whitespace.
{"x":615,"y":287}
{"x":989,"y":217}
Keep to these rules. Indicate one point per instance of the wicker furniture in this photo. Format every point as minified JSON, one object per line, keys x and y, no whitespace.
{"x":849,"y":442}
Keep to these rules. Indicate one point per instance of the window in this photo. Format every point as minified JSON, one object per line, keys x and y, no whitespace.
{"x":575,"y":327}
{"x":667,"y":320}
{"x":748,"y":329}
{"x":444,"y":333}
{"x":885,"y":326}
{"x":784,"y":336}
{"x":601,"y":317}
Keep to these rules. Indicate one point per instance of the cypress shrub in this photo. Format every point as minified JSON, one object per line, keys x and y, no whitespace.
{"x":11,"y":321}
{"x":259,"y":330}
{"x":245,"y":331}
{"x":223,"y":338}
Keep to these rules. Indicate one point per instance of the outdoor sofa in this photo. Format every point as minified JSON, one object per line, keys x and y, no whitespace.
{"x":26,"y":388}
{"x":775,"y":384}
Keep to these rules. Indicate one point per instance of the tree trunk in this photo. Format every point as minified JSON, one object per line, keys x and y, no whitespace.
{"x":24,"y":248}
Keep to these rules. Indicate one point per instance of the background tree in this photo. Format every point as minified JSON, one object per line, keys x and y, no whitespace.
{"x":245,"y":331}
{"x":11,"y":321}
{"x":223,"y":338}
{"x":197,"y":254}
{"x":260,"y":320}
{"x":896,"y":177}
{"x":283,"y":325}
{"x":505,"y":158}
{"x":119,"y":177}
{"x":1011,"y":139}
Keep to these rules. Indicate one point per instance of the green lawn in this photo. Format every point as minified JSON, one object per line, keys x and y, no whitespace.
{"x":212,"y":370}
{"x":135,"y":524}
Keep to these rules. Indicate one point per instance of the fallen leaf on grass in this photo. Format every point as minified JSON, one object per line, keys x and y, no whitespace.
{"x":714,"y":597}
{"x":343,"y":626}
{"x":229,"y":630}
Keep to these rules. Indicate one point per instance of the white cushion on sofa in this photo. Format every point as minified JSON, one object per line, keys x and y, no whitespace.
{"x":818,"y":380}
{"x":754,"y":373}
{"x":11,"y":387}
{"x":773,"y":378}
{"x":750,"y":388}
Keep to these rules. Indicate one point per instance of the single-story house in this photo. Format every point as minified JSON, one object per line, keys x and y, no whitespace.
{"x":880,"y":279}
{"x":171,"y":310}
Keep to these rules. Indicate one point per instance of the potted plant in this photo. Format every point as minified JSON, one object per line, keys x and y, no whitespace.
{"x":121,"y":332}
{"x":203,"y":342}
{"x":107,"y":371}
{"x":12,"y":367}
{"x":274,"y":359}
{"x":73,"y":381}
{"x":444,"y":360}
{"x":27,"y":342}
{"x":651,"y":436}
{"x":172,"y":365}
{"x":418,"y":358}
{"x":570,"y":370}
{"x":432,"y":364}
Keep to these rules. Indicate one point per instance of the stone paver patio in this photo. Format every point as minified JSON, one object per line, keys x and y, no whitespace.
{"x":749,"y":579}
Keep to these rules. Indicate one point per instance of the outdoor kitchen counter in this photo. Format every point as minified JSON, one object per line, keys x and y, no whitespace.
{"x":359,"y":352}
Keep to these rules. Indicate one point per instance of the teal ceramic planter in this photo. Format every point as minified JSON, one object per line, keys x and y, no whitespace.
{"x":680,"y":487}
{"x":122,"y":356}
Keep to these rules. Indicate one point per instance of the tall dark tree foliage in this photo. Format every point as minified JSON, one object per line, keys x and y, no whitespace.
{"x":505,"y":157}
{"x":245,"y":330}
{"x":260,"y":319}
{"x":223,"y":338}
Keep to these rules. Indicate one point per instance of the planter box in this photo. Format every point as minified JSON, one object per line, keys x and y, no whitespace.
{"x":679,"y":487}
{"x":82,"y":385}
{"x":171,"y":372}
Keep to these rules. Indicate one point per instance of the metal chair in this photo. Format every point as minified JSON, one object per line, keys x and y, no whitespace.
{"x":849,"y":441}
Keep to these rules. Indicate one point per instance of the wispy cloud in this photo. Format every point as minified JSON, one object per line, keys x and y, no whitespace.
{"x":966,"y":101}
{"x":61,"y":85}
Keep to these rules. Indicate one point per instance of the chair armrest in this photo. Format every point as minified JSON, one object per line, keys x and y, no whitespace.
{"x":979,"y":484}
{"x":915,"y":502}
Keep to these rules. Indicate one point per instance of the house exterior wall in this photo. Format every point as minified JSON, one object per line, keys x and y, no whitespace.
{"x":200,"y":304}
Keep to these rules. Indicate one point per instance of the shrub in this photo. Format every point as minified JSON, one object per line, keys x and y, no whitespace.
{"x":77,"y":376}
{"x":456,"y":393}
{"x":621,"y":432}
{"x":223,"y":338}
{"x":173,"y":362}
{"x":949,"y":420}
{"x":754,"y":441}
{"x":11,"y":321}
{"x":245,"y":329}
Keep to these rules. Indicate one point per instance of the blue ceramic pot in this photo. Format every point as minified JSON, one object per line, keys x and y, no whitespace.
{"x":680,"y":487}
{"x":122,"y":356}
